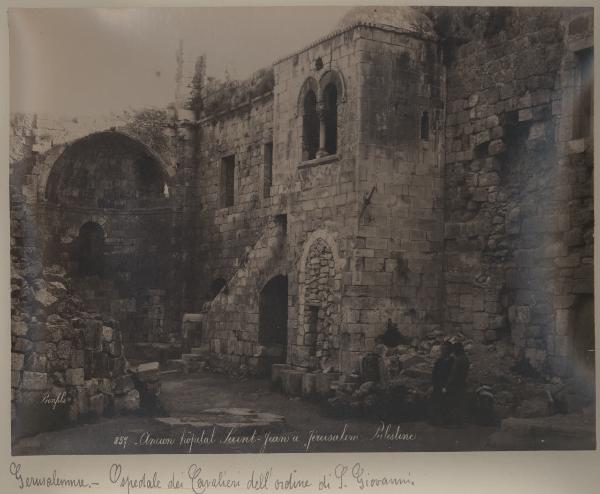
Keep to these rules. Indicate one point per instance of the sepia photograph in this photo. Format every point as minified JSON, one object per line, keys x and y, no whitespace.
{"x":301,"y":229}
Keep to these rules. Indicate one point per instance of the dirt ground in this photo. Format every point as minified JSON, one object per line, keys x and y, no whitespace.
{"x":304,"y":427}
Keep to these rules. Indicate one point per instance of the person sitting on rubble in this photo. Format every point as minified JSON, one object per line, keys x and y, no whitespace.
{"x":457,"y":384}
{"x":439,"y":377}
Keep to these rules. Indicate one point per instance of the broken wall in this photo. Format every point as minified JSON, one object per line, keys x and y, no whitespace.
{"x":518,"y":185}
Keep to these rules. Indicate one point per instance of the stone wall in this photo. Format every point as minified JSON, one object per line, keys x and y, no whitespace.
{"x":125,"y":187}
{"x":230,"y":325}
{"x":458,"y":198}
{"x":223,"y":234}
{"x":397,"y":255}
{"x":321,"y":199}
{"x":518,"y":186}
{"x":67,"y":364}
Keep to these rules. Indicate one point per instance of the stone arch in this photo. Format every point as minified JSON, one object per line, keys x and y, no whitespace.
{"x":46,"y":164}
{"x":310,"y":84}
{"x":319,"y":303}
{"x":333,"y":77}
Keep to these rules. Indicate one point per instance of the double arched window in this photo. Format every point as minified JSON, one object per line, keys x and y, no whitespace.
{"x":319,"y":103}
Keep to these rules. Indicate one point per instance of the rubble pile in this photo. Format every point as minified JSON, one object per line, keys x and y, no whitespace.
{"x":67,"y":364}
{"x":394,"y":383}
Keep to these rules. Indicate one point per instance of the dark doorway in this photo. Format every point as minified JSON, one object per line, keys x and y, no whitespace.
{"x":273,"y":313}
{"x":582,"y":331}
{"x":90,"y":255}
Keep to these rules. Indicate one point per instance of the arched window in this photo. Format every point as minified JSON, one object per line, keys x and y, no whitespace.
{"x":310,"y":127}
{"x":90,"y":255}
{"x":330,"y":105}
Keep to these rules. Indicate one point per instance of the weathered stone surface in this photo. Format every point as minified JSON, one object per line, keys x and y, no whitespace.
{"x":148,"y":372}
{"x":276,"y":370}
{"x":97,"y":404}
{"x":291,"y":382}
{"x":17,"y":360}
{"x":309,"y":381}
{"x":122,"y":385}
{"x":34,"y":381}
{"x":74,"y":377}
{"x":127,"y":403}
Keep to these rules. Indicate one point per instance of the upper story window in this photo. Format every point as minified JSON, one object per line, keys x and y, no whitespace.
{"x":319,"y":106}
{"x":330,"y":118}
{"x":310,"y":127}
{"x":268,"y":169}
{"x":227,"y":181}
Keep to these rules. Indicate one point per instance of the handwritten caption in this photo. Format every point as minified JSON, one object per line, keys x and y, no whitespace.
{"x":200,"y":480}
{"x":201,"y":440}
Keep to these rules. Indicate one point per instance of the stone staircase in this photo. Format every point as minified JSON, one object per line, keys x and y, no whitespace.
{"x":233,"y":310}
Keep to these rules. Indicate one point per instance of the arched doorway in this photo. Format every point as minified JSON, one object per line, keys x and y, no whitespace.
{"x":90,"y":250}
{"x":273,"y":315}
{"x":582,"y":333}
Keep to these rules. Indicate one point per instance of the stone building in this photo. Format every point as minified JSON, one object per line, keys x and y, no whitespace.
{"x":430,"y":167}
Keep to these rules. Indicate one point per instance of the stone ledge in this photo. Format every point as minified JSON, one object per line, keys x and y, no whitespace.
{"x":323,"y":160}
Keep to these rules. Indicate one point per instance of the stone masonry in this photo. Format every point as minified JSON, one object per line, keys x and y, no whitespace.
{"x":430,"y":167}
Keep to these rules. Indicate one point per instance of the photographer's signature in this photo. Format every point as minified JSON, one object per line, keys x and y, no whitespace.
{"x":53,"y":400}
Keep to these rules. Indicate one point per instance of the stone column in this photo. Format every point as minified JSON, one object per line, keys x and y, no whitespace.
{"x":322,"y":116}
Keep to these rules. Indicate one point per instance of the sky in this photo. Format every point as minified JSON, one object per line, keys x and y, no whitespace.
{"x":76,"y":62}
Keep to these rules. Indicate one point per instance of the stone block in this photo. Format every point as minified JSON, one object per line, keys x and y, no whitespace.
{"x":18,"y":328}
{"x":107,"y":334}
{"x":525,"y":115}
{"x":152,"y":388}
{"x":496,"y":147}
{"x":490,"y":336}
{"x":15,"y":379}
{"x":91,"y":386}
{"x":291,"y":382}
{"x":127,"y":403}
{"x":36,"y":362}
{"x":148,"y":372}
{"x":96,"y":405}
{"x":575,"y":146}
{"x":63,"y":349}
{"x":276,"y":370}
{"x":22,"y":345}
{"x":409,"y":360}
{"x":77,"y":358}
{"x":17,"y":360}
{"x":74,"y":377}
{"x":34,"y":381}
{"x":323,"y":382}
{"x":122,"y":385}
{"x":309,"y":384}
{"x":104,"y":385}
{"x":177,"y":365}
